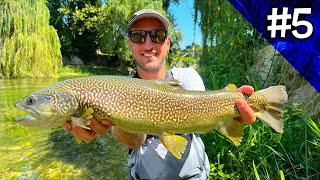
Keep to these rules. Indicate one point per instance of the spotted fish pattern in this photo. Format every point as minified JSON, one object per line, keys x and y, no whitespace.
{"x":147,"y":106}
{"x":157,"y":107}
{"x":152,"y":107}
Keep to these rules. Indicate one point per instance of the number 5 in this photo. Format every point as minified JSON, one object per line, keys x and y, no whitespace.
{"x":297,"y":23}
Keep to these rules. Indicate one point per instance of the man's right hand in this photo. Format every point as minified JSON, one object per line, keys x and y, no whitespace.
{"x":97,"y":128}
{"x":131,"y":140}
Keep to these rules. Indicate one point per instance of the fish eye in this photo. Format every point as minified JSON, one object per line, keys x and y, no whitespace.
{"x":30,"y":100}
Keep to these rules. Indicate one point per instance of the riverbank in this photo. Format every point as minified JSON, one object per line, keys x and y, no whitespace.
{"x":75,"y":71}
{"x":41,"y":153}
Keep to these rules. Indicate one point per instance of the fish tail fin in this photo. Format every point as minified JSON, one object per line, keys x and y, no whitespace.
{"x":267,"y":105}
{"x":272,"y":114}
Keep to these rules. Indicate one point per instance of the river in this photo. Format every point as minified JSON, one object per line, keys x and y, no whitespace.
{"x":42,"y":153}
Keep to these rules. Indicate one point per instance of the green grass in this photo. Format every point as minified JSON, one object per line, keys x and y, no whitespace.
{"x":74,"y":71}
{"x":265,"y":154}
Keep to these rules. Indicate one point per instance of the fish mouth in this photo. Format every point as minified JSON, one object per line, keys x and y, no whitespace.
{"x":26,"y":120}
{"x":34,"y":118}
{"x":30,"y":111}
{"x":29,"y":120}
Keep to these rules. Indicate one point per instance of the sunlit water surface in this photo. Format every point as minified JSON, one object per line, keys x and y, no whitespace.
{"x":42,"y":153}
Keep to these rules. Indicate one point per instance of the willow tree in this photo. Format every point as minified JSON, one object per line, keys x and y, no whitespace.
{"x":229,"y":42}
{"x":29,"y":46}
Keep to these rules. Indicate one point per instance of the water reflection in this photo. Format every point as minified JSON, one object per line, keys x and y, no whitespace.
{"x":51,"y":153}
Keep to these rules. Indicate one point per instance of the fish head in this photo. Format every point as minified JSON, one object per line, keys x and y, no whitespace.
{"x":46,"y":108}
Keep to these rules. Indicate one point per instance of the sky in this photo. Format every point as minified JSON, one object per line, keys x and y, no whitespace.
{"x":183,"y":14}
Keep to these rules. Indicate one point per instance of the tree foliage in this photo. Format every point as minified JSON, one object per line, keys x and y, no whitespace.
{"x":78,"y":24}
{"x":166,"y":4}
{"x":28,"y":45}
{"x":117,"y":14}
{"x":189,"y":56}
{"x":89,"y":26}
{"x":229,"y":44}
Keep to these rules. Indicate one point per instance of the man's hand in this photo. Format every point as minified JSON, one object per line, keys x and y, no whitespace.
{"x":247,"y":116}
{"x":97,"y":128}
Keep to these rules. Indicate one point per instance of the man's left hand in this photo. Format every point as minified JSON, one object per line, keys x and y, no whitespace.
{"x":247,"y":115}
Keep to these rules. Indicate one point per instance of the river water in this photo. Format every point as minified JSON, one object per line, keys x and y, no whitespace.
{"x":43,"y":153}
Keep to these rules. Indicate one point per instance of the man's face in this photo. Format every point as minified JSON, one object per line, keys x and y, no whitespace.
{"x":149,"y":56}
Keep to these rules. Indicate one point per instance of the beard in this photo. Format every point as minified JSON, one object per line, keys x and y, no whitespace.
{"x":151,"y":69}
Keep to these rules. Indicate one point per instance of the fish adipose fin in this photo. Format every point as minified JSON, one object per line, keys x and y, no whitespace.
{"x":232,"y":129}
{"x":174,"y":143}
{"x":272,"y":113}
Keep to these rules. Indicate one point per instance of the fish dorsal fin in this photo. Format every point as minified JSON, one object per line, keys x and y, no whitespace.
{"x":175,"y":144}
{"x":230,"y":87}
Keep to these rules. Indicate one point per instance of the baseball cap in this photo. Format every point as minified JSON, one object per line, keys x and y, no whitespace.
{"x":144,"y":13}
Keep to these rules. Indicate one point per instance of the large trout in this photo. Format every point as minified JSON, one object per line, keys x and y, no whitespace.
{"x":156,"y":107}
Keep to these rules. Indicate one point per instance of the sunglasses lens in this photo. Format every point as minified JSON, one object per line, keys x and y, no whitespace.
{"x":158,"y":36}
{"x":137,"y":36}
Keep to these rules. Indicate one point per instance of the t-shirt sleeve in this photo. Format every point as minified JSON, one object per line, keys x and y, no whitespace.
{"x":189,"y":78}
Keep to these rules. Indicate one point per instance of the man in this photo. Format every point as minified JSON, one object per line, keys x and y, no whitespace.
{"x":149,"y":42}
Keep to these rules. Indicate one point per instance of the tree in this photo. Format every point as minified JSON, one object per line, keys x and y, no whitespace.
{"x":186,"y":57}
{"x":166,"y":4}
{"x":78,"y":24}
{"x":28,"y":45}
{"x":86,"y":27}
{"x":229,"y":42}
{"x":113,"y":30}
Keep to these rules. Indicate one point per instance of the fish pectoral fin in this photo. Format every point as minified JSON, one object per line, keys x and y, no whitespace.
{"x":231,"y":88}
{"x":232,"y":129}
{"x":83,"y":120}
{"x":87,"y":114}
{"x":175,"y":144}
{"x":79,"y":121}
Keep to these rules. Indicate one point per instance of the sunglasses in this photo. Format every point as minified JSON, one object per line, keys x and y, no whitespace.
{"x":140,"y":36}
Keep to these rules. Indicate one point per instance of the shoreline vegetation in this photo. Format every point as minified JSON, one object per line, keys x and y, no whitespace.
{"x":74,"y":71}
{"x":39,"y":38}
{"x":263,"y":153}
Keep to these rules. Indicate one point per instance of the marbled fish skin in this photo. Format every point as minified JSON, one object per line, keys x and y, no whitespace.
{"x":145,"y":106}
